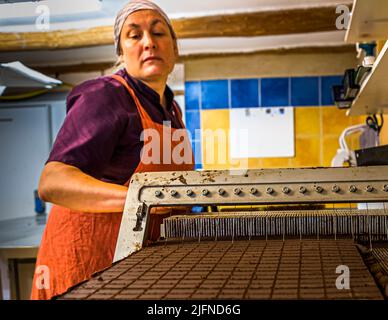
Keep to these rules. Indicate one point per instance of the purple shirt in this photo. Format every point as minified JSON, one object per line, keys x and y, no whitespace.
{"x":101,"y":131}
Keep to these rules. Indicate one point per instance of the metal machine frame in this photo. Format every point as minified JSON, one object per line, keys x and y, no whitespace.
{"x":259,"y":186}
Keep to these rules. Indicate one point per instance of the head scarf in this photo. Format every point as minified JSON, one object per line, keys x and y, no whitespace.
{"x":131,"y":7}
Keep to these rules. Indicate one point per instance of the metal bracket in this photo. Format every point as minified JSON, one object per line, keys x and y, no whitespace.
{"x":140,"y":214}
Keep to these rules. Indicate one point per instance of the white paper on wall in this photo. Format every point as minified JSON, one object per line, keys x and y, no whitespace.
{"x":262,"y":132}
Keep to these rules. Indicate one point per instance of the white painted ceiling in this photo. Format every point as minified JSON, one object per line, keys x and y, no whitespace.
{"x":175,"y":9}
{"x":91,"y":13}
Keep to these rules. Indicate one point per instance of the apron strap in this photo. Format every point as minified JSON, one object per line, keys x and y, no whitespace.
{"x":178,"y":113}
{"x":141,"y":110}
{"x":143,"y":114}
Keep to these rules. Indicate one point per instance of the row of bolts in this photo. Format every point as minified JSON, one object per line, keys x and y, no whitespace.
{"x":270,"y":190}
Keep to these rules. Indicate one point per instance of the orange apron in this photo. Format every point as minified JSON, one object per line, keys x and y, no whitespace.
{"x":75,"y":244}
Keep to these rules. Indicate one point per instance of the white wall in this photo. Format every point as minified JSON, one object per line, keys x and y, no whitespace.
{"x":27,"y":130}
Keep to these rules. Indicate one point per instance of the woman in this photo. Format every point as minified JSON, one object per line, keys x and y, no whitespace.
{"x":99,"y":148}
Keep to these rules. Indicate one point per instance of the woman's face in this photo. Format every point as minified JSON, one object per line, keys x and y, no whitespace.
{"x":147,"y":47}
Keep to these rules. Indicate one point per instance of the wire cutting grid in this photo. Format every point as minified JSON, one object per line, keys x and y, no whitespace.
{"x":255,"y":269}
{"x":381,"y":255}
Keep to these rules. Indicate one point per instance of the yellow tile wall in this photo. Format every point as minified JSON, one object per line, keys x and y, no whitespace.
{"x":317,"y":130}
{"x":215,"y":153}
{"x":384,"y":131}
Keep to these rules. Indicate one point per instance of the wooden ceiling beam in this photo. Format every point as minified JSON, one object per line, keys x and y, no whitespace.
{"x":90,"y":67}
{"x":263,"y":23}
{"x":251,"y":24}
{"x":347,"y":48}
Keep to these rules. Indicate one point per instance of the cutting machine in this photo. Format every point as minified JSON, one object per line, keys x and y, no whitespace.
{"x":338,"y":191}
{"x":311,"y":233}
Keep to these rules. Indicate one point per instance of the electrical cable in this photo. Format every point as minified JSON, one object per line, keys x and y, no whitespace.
{"x":373,"y":122}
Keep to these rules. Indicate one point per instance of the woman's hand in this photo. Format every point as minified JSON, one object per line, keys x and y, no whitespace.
{"x":69,"y":187}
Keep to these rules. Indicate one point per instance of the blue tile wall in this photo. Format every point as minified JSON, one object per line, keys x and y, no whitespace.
{"x":326,"y":84}
{"x":192,"y":95}
{"x":265,"y":92}
{"x":305,"y":91}
{"x":275,"y":92}
{"x":245,"y":93}
{"x":196,"y":145}
{"x":193,"y":122}
{"x":215,"y":94}
{"x":249,"y":93}
{"x":198,"y":166}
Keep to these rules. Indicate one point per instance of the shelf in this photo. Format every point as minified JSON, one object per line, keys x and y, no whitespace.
{"x":369,"y":21}
{"x":373,"y":95}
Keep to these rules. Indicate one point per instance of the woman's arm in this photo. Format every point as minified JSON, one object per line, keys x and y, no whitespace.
{"x":69,"y":187}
